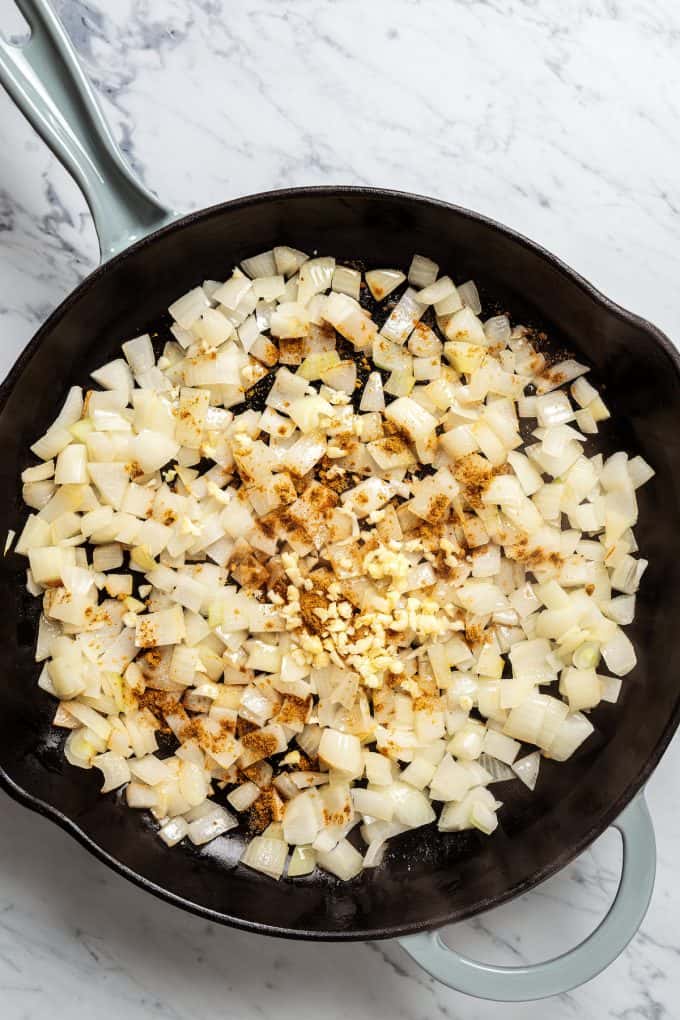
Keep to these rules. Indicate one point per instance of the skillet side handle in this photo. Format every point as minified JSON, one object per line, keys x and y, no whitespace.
{"x":45,"y":80}
{"x":576,"y":966}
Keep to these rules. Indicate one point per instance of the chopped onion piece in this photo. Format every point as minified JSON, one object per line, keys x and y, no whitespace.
{"x":303,"y":817}
{"x":342,"y":752}
{"x":343,"y":861}
{"x":347,"y":281}
{"x":315,"y":276}
{"x":382,"y":282}
{"x":619,"y":653}
{"x":469,"y":295}
{"x":639,"y":471}
{"x":261,"y":265}
{"x":114,"y":768}
{"x":266,"y":855}
{"x":415,"y":421}
{"x":571,"y":733}
{"x":527,"y":768}
{"x":373,"y":399}
{"x":437,"y":292}
{"x":610,"y":688}
{"x":185,"y":311}
{"x":403,"y":317}
{"x":500,"y":746}
{"x":422,"y":271}
{"x":342,"y":376}
{"x":465,"y":326}
{"x":581,"y":687}
{"x":288,"y":260}
{"x":233,"y":292}
{"x":498,"y":770}
{"x":302,"y":862}
{"x":558,"y":374}
{"x":411,"y":807}
{"x":209,"y":826}
{"x":345,"y":314}
{"x":174,"y":831}
{"x":243,"y":796}
{"x":497,"y":329}
{"x":482,"y":818}
{"x":290,"y":320}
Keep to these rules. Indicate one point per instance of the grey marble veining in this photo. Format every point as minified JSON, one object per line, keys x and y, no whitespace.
{"x":562,"y":120}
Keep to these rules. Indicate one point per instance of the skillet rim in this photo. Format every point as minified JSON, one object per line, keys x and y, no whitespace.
{"x":572,"y":850}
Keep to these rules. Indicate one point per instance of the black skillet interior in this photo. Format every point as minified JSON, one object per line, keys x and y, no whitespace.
{"x":427,"y":879}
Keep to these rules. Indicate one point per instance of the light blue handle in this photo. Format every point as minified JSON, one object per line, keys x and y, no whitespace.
{"x":578,"y":965}
{"x":45,"y":80}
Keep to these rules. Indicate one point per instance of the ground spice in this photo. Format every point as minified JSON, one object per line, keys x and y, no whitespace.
{"x":266,"y":809}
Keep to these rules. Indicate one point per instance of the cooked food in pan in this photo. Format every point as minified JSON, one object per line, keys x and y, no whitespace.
{"x":333,"y":556}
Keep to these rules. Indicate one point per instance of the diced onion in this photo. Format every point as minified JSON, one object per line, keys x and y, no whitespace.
{"x":527,"y":768}
{"x":302,"y":862}
{"x":422,"y":271}
{"x":498,"y":769}
{"x":470,"y":296}
{"x":343,"y":860}
{"x":382,"y":282}
{"x":209,"y":826}
{"x":266,"y":855}
{"x":403,"y":317}
{"x":372,"y":398}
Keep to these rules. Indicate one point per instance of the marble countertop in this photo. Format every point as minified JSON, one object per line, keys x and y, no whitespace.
{"x":562,"y":121}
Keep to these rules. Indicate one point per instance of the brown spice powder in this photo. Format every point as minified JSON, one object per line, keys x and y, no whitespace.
{"x":263,"y":744}
{"x":294,"y":710}
{"x":309,"y":601}
{"x":473,"y":473}
{"x":267,"y":808}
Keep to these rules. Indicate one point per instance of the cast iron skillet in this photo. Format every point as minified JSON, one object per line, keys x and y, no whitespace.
{"x":428,"y":879}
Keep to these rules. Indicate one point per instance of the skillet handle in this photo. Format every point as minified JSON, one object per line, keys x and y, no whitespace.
{"x":576,"y":966}
{"x":45,"y":80}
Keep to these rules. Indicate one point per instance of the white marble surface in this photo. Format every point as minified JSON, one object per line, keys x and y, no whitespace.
{"x":563,"y":120}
